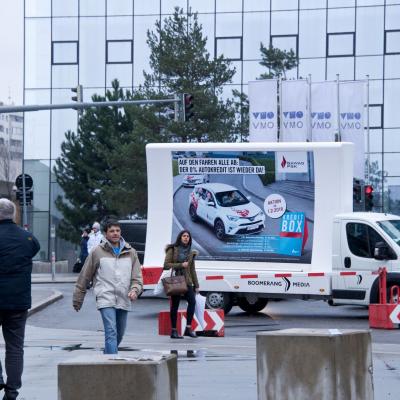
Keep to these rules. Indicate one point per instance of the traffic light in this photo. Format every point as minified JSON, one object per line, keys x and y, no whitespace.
{"x":356,"y":191}
{"x":79,"y":94}
{"x":369,"y":197}
{"x":28,"y":197}
{"x":187,"y":106}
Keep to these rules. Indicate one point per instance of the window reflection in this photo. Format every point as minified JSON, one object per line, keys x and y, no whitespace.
{"x":92,"y":51}
{"x":37,"y":53}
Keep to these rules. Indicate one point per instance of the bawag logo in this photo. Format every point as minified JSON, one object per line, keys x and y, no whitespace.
{"x":294,"y":162}
{"x":293,"y":119}
{"x":263,"y":120}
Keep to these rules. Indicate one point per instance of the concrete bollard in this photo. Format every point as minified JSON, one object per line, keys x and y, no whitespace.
{"x":311,"y":364}
{"x":104,"y":377}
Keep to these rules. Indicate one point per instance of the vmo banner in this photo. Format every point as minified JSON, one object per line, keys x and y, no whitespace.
{"x":352,"y":100}
{"x":263,"y":110}
{"x":294,"y":113}
{"x":324,"y":122}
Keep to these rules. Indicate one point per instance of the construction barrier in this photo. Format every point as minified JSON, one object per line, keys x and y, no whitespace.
{"x":214,"y":323}
{"x":385,"y":315}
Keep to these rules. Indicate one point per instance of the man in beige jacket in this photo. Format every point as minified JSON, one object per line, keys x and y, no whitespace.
{"x":114,"y":268}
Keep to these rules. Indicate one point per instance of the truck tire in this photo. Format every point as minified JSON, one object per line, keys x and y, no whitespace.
{"x":193,"y":213}
{"x":219,"y":229}
{"x":215,"y":300}
{"x":252,"y":307}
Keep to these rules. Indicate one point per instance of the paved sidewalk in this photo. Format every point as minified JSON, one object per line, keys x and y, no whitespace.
{"x":209,"y":368}
{"x":43,"y":297}
{"x":59,"y":278}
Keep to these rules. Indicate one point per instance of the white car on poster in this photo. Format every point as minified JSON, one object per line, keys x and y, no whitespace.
{"x":191,"y":180}
{"x":228,"y":211}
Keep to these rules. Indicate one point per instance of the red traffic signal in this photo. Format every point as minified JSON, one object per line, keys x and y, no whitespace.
{"x":369,"y":198}
{"x":368,"y":189}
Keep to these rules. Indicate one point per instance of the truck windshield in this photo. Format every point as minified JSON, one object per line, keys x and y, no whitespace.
{"x":392,"y":228}
{"x":231,"y":198}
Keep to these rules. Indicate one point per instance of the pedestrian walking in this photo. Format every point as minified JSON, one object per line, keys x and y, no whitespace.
{"x":17,"y":248}
{"x":95,"y":237}
{"x":180,"y":257}
{"x":114,"y":268}
{"x":83,"y":251}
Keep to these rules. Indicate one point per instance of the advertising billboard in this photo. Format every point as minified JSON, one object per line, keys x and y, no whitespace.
{"x":245,"y":205}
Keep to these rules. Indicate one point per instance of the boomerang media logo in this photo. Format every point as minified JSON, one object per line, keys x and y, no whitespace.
{"x":263,"y":120}
{"x":283,"y":163}
{"x":295,"y":284}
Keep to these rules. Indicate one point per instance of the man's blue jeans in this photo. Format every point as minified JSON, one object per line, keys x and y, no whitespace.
{"x":114,"y":321}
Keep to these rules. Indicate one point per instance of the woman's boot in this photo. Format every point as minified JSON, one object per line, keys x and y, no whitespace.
{"x":189,"y":332}
{"x":174,"y":334}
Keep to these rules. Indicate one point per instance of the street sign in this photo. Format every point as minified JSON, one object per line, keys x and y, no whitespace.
{"x":28,"y":182}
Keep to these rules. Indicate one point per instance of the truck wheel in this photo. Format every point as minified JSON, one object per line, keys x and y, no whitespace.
{"x":219,"y":229}
{"x":252,"y":306}
{"x":216,"y":300}
{"x":193,"y":213}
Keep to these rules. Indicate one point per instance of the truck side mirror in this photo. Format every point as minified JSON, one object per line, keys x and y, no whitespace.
{"x":211,"y":203}
{"x":381,"y":251}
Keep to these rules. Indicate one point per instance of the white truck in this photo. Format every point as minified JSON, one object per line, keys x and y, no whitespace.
{"x":310,"y":244}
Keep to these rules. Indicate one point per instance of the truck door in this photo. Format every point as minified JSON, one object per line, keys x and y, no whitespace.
{"x":358,"y":241}
{"x":357,"y":247}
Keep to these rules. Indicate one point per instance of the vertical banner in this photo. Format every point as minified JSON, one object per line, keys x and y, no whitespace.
{"x":294,"y":114}
{"x":263,"y":110}
{"x":352,"y":97}
{"x":324,"y":111}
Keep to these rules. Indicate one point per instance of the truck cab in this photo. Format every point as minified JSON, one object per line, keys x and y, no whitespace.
{"x":363,"y":242}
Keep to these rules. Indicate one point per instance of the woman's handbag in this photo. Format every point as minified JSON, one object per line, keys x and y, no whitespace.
{"x":174,"y":285}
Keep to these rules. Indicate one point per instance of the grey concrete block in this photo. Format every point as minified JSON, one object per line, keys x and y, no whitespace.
{"x":44,"y":267}
{"x":144,"y":376}
{"x":314,"y":364}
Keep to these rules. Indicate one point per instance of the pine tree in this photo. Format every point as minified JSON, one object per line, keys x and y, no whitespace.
{"x":97,"y":169}
{"x":180,"y":63}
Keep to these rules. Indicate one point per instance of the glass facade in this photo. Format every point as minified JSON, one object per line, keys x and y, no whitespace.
{"x":91,"y":42}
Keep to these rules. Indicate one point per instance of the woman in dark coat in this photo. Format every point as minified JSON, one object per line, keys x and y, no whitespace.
{"x":180,"y":257}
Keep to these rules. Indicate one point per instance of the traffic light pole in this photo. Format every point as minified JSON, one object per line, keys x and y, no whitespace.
{"x":81,"y":106}
{"x":24,"y":211}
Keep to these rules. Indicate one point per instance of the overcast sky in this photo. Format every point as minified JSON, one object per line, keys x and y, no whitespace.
{"x":11,"y":50}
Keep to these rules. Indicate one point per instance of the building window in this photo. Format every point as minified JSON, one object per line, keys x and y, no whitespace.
{"x":119,"y":51}
{"x":376,"y":116}
{"x":231,"y":48}
{"x":64,"y":53}
{"x":392,"y":42}
{"x":340,"y":44}
{"x":285,"y":42}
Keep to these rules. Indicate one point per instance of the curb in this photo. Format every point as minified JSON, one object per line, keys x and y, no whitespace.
{"x":40,"y":305}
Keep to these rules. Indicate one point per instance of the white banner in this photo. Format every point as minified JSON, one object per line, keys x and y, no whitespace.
{"x":324,"y":111}
{"x":352,"y":97}
{"x":263,"y":110}
{"x":294,"y":115}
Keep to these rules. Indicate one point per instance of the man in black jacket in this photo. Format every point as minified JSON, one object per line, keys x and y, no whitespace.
{"x":17,"y":248}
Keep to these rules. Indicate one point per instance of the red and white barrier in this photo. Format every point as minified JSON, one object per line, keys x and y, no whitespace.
{"x":214,"y":320}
